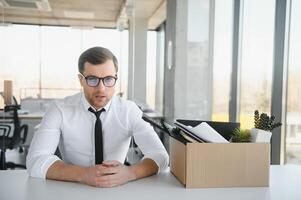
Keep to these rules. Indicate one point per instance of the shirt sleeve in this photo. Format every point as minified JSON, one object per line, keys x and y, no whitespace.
{"x":44,"y":143}
{"x":147,"y":139}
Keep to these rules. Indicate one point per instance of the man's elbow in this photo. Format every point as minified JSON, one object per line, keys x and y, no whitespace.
{"x":165,"y":161}
{"x":162,"y":161}
{"x":30,"y":163}
{"x":37,"y":166}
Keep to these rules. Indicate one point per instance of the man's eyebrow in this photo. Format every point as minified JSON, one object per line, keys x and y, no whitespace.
{"x":101,"y":76}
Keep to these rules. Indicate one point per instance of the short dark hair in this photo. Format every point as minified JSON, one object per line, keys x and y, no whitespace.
{"x":96,"y":55}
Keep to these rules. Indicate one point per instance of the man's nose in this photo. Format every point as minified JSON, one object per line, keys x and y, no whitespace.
{"x":101,"y":86}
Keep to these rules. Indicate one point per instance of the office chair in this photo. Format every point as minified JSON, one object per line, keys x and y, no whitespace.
{"x":14,"y":140}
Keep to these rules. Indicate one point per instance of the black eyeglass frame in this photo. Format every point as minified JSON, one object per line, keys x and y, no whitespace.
{"x":99,"y":79}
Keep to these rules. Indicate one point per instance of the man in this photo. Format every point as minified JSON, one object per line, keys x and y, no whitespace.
{"x":93,"y":130}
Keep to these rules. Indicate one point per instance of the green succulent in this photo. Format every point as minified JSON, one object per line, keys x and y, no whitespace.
{"x":264,"y":122}
{"x":241,"y":135}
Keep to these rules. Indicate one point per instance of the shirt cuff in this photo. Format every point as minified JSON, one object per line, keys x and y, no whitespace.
{"x":41,"y":165}
{"x":161,"y":159}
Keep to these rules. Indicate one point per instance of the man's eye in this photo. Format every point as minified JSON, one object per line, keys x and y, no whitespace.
{"x":108,"y":78}
{"x":92,"y":78}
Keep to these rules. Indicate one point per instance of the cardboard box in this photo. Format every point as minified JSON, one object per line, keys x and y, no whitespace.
{"x":205,"y":165}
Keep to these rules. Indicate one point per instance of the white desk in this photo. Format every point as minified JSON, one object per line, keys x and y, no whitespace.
{"x":285,"y":184}
{"x":29,"y":116}
{"x":34,"y":115}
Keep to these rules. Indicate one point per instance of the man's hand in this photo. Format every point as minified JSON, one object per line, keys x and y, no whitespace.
{"x":108,"y":174}
{"x":115,"y":174}
{"x":91,"y":175}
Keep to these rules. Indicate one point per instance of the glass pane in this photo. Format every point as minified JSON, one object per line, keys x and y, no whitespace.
{"x":54,"y":51}
{"x":293,"y":123}
{"x":256,"y":59}
{"x":222,"y":62}
{"x":197,"y":75}
{"x":60,"y":49}
{"x":160,"y":69}
{"x":151,"y":69}
{"x":19,"y":58}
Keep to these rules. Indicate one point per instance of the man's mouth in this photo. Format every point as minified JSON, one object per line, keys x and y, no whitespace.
{"x":100,"y":97}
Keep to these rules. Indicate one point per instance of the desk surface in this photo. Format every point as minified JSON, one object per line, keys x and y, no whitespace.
{"x":34,"y":115}
{"x":30,"y":116}
{"x":285,"y":183}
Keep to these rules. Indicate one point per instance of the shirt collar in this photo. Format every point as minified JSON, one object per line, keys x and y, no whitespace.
{"x":87,"y":105}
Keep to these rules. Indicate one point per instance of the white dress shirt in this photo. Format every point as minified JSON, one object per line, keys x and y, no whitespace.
{"x":69,"y":124}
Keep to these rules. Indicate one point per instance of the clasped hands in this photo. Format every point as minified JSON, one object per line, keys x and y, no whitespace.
{"x":108,"y":174}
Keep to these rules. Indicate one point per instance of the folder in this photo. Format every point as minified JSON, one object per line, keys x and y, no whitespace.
{"x":225,"y":129}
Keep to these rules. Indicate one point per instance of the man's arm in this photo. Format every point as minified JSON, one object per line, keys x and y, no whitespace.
{"x":41,"y":161}
{"x":44,"y":143}
{"x":87,"y":175}
{"x":147,"y":139}
{"x":64,"y":172}
{"x":108,"y":174}
{"x":145,"y":168}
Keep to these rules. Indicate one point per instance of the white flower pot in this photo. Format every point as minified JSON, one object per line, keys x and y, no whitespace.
{"x":259,"y":135}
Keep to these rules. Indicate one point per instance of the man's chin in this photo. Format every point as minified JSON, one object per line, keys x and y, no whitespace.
{"x":100,"y":104}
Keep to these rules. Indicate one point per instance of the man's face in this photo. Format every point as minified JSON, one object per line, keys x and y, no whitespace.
{"x":100,"y":95}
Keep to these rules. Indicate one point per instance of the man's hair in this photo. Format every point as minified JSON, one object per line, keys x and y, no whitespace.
{"x":96,"y":55}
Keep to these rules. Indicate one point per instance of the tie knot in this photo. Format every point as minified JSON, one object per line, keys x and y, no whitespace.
{"x":97,"y":113}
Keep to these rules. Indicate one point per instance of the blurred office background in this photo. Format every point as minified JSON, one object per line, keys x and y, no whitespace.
{"x":192,"y":59}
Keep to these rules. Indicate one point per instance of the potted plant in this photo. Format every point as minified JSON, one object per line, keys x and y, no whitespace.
{"x":263,"y":126}
{"x":241,"y":135}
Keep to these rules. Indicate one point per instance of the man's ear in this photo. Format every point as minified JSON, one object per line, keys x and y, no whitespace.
{"x":80,"y":78}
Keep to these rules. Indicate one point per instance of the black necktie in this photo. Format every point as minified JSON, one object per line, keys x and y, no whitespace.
{"x":98,"y":137}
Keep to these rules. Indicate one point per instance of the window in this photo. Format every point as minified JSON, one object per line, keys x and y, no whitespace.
{"x":256,"y":59}
{"x":160,"y":68}
{"x":47,"y":56}
{"x":151,"y":68}
{"x":19,"y":58}
{"x":222,"y":62}
{"x":60,"y":49}
{"x":196,"y":71}
{"x":293,"y":123}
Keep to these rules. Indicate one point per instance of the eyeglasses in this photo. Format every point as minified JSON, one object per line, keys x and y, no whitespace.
{"x":93,"y":81}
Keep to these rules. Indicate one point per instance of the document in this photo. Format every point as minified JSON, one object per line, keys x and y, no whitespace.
{"x":189,"y":137}
{"x":204,"y":132}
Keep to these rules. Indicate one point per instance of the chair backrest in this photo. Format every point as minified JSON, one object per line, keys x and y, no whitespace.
{"x":5,"y":129}
{"x":19,"y":131}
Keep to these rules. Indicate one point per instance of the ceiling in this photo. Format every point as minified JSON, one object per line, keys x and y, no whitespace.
{"x":82,"y":13}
